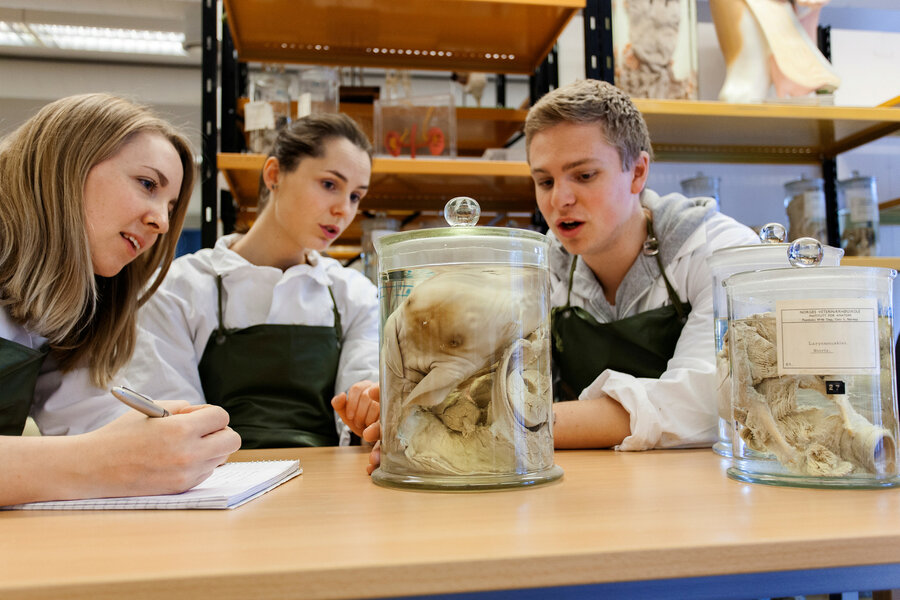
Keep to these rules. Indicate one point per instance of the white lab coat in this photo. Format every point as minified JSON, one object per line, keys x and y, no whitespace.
{"x":177,"y":321}
{"x":679,"y":408}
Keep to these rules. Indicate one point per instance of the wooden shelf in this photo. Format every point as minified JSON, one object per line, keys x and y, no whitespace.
{"x":688,"y":131}
{"x":494,"y":36}
{"x":890,"y":262}
{"x":401,"y":186}
{"x":405,"y":184}
{"x":680,"y":130}
{"x":889,"y":212}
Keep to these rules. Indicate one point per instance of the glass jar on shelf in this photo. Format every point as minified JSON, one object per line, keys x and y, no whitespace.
{"x":269,"y":107}
{"x":804,"y":202}
{"x":318,"y":91}
{"x":701,"y":185}
{"x":858,"y":215}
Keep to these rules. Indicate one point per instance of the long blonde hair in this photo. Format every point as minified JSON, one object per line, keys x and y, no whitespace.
{"x":47,"y":281}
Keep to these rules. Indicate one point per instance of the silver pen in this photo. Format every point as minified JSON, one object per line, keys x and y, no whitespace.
{"x":139,"y":402}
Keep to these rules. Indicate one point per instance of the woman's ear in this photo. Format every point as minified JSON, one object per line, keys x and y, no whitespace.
{"x":641,"y":171}
{"x":271,"y":170}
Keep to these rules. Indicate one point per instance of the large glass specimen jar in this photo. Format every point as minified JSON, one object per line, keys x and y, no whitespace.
{"x":466,"y":390}
{"x":772,"y":253}
{"x":813,"y":394}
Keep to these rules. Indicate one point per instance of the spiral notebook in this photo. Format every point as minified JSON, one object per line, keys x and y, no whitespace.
{"x":230,"y":486}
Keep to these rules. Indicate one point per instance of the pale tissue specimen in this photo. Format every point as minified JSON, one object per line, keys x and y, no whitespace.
{"x":806,"y":438}
{"x":467,"y":376}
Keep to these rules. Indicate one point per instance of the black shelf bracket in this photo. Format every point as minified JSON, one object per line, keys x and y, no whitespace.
{"x":829,"y":164}
{"x":598,"y":40}
{"x":209,"y":216}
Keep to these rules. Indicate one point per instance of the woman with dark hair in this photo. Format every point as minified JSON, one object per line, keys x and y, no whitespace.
{"x":93,"y":193}
{"x":262,"y":324}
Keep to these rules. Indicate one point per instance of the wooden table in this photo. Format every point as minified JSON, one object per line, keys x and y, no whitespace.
{"x":664,"y":524}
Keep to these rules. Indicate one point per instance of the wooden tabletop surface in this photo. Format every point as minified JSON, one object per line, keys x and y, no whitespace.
{"x":332,"y":533}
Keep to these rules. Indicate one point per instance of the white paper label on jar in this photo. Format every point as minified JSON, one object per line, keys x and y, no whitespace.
{"x":258,"y":115}
{"x":827,"y":336}
{"x":862,"y":208}
{"x":814,"y":205}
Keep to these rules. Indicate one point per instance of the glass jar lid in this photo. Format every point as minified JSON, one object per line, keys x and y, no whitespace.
{"x":462,"y":243}
{"x":772,"y":253}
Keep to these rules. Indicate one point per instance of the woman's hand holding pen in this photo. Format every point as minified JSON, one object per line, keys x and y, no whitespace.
{"x":139,"y":455}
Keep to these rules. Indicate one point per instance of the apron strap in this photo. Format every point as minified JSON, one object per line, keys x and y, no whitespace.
{"x":337,"y":318}
{"x":571,"y":280}
{"x":652,"y":247}
{"x":220,"y":332}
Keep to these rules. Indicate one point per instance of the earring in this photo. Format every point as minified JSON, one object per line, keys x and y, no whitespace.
{"x":274,"y":186}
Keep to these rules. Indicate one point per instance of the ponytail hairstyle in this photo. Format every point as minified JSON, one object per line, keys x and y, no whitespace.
{"x":47,"y":281}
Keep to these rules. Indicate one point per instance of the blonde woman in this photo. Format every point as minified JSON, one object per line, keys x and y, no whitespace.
{"x":93,"y":193}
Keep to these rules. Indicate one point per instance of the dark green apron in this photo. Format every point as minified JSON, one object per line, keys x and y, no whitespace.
{"x":275,"y":381}
{"x":19,"y":369}
{"x":640,"y":345}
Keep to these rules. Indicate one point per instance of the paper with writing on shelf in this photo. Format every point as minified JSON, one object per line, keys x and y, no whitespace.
{"x":230,"y":486}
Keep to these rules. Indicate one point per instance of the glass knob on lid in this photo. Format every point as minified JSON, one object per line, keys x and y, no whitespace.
{"x":772,"y":233}
{"x":805,"y":252}
{"x":462,"y":211}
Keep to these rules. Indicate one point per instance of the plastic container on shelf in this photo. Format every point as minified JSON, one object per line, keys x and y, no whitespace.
{"x":701,"y":185}
{"x":858,"y":215}
{"x":772,"y":253}
{"x":813,"y":394}
{"x":466,"y":386}
{"x":804,"y":203}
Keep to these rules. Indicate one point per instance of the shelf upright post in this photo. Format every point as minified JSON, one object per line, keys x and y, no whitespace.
{"x":234,"y":81}
{"x":598,"y":42}
{"x":829,"y":163}
{"x":545,"y":77}
{"x":208,"y":187}
{"x":500,"y":87}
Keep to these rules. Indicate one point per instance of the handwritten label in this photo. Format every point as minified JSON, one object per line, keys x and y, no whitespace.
{"x":838,"y":335}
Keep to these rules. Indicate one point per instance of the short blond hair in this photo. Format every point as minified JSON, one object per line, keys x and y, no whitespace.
{"x":47,"y":281}
{"x":587,"y":102}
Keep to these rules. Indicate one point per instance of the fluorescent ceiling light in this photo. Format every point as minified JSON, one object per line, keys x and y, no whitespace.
{"x":98,"y":39}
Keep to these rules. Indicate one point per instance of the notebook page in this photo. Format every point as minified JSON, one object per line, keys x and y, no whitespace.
{"x":229,"y":486}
